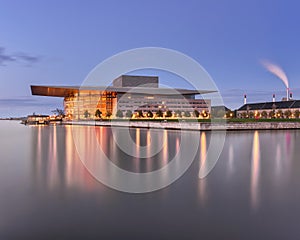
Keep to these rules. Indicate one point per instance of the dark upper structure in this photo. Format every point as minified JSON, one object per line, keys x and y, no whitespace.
{"x":292,"y":104}
{"x":136,"y":81}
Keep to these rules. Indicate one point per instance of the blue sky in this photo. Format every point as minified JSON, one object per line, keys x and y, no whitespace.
{"x":59,"y":42}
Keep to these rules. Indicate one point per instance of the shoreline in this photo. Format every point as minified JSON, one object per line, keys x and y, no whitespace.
{"x":192,"y":126}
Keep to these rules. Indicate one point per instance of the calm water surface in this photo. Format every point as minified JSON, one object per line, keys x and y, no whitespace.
{"x":46,"y":192}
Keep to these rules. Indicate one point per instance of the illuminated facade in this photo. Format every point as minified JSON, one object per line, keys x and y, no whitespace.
{"x":279,"y":109}
{"x":84,"y":104}
{"x":127,"y":93}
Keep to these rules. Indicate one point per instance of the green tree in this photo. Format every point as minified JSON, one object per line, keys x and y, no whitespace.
{"x":98,"y":113}
{"x":119,"y":114}
{"x":187,"y":114}
{"x":140,"y":113}
{"x":196,"y":113}
{"x":287,"y":113}
{"x":178,"y":113}
{"x":272,"y":114}
{"x":59,"y":112}
{"x":168,"y":113}
{"x":128,"y":114}
{"x":204,"y":114}
{"x":229,"y":114}
{"x":264,"y":114}
{"x":149,"y":114}
{"x":159,"y":113}
{"x":108,"y":114}
{"x":244,"y":115}
{"x":251,"y":114}
{"x":279,"y":114}
{"x":86,"y":114}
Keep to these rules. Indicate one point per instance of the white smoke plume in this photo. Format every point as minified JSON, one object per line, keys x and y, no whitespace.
{"x":277,"y":71}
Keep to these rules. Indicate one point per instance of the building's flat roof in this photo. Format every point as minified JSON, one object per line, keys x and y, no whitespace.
{"x":270,"y":105}
{"x":63,"y":91}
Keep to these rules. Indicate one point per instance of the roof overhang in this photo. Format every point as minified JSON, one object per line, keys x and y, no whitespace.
{"x":63,"y":91}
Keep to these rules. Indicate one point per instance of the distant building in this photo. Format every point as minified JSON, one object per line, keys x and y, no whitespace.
{"x":279,"y":109}
{"x":127,"y":93}
{"x":221,"y":112}
{"x":37,"y":119}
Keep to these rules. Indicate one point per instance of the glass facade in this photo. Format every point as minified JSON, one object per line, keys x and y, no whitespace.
{"x":85,"y":104}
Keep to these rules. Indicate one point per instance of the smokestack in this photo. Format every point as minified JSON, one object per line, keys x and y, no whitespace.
{"x":287,"y":94}
{"x":291,"y":95}
{"x":245,"y":99}
{"x":273,"y":97}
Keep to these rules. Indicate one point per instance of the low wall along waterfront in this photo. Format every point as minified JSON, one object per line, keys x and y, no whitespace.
{"x":193,"y":125}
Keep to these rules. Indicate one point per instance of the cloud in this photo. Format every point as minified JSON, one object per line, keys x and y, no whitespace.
{"x":19,"y":57}
{"x":28,"y":58}
{"x":5,"y":58}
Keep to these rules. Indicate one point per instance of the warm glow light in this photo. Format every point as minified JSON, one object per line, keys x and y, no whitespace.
{"x":165,"y":147}
{"x":69,"y":157}
{"x":137,"y":141}
{"x":203,"y":148}
{"x":255,"y":169}
{"x":53,"y":164}
{"x":202,"y":182}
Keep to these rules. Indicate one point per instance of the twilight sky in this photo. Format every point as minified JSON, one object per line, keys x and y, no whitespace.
{"x":59,"y":42}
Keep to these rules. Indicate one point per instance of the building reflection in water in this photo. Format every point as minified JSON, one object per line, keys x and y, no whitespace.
{"x":288,"y":155}
{"x":148,"y":153}
{"x":255,"y":171}
{"x":56,"y":163}
{"x":76,"y":174}
{"x":278,"y":159}
{"x":137,"y":141}
{"x":203,"y":149}
{"x":177,"y":143}
{"x":55,"y":160}
{"x":202,"y":182}
{"x":165,"y":152}
{"x":137,"y":149}
{"x":165,"y":149}
{"x":230,"y":160}
{"x":52,"y":154}
{"x":285,"y":150}
{"x":38,"y":160}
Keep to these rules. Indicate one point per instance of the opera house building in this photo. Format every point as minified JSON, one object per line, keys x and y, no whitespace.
{"x":127,"y":93}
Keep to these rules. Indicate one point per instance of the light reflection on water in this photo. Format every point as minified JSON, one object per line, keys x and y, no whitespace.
{"x":255,"y":183}
{"x":60,"y":165}
{"x":203,"y":152}
{"x":255,"y":170}
{"x":55,"y":159}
